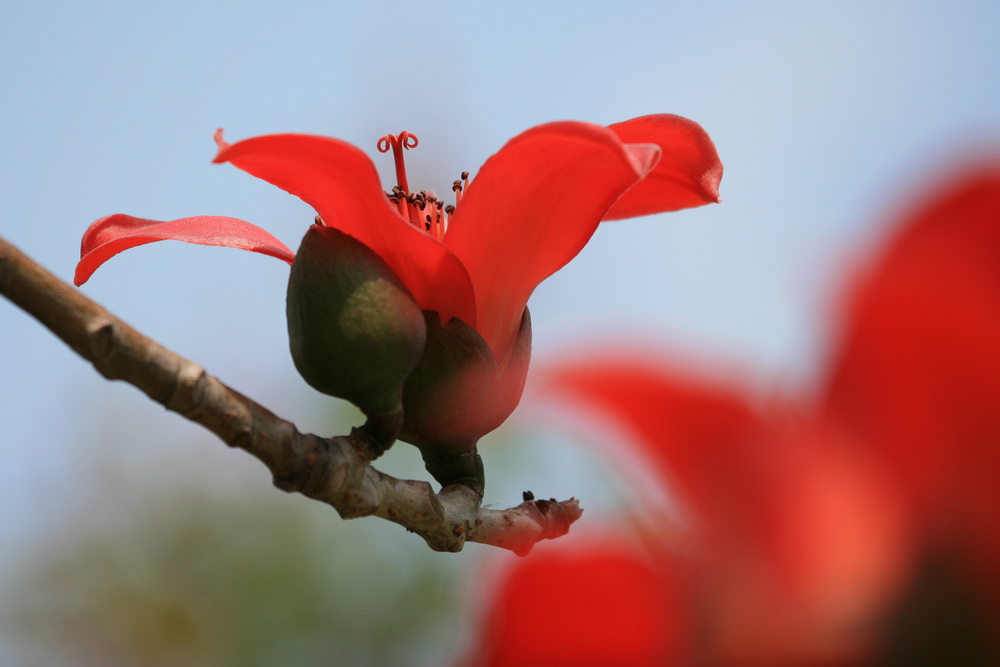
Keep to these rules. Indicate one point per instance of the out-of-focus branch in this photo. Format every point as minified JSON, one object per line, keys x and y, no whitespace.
{"x":331,"y":470}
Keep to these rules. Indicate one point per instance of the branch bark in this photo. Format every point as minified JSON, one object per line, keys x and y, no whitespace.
{"x":330,"y":470}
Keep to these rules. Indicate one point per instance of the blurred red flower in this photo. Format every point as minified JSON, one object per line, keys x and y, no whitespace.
{"x":863,"y":528}
{"x":590,"y":603}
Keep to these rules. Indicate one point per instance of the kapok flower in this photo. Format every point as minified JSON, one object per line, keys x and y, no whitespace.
{"x":528,"y":211}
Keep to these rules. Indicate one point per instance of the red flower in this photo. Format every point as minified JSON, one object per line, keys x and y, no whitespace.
{"x":443,"y":383}
{"x":863,"y":530}
{"x":530,"y":209}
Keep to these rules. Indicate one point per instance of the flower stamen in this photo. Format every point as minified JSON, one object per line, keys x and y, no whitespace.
{"x":458,"y":187}
{"x":397,"y":142}
{"x":422,"y":209}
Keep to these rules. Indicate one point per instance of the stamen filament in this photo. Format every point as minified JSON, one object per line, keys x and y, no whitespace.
{"x":413,"y":207}
{"x":397,"y":142}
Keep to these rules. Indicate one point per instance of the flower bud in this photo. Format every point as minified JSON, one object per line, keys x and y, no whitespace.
{"x":458,"y":393}
{"x":355,"y":331}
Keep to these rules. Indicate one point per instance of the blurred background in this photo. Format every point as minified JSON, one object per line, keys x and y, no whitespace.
{"x":128,"y":536}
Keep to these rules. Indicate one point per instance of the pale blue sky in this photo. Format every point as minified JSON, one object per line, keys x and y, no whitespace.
{"x":822,"y":112}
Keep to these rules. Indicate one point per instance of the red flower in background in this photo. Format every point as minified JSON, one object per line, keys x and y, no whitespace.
{"x":863,"y":530}
{"x":917,"y":377}
{"x":593,"y":602}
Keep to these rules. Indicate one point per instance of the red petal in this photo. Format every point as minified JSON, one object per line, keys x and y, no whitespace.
{"x":786,"y":527}
{"x":687,"y":175}
{"x":579,"y":603}
{"x":531,"y":208}
{"x":341,"y":183}
{"x":109,"y":236}
{"x":696,"y":434}
{"x":918,"y":372}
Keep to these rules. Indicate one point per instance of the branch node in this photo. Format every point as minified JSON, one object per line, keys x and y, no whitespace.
{"x":189,"y":390}
{"x":103,"y":342}
{"x":353,"y":481}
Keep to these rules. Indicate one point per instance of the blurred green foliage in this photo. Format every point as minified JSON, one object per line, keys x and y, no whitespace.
{"x":161,"y":562}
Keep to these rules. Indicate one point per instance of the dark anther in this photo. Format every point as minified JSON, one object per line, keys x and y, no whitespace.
{"x":465,"y":175}
{"x":449,"y":209}
{"x":528,"y":495}
{"x":427,"y":226}
{"x":456,"y":186}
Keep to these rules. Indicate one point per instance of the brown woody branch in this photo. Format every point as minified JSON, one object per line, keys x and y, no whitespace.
{"x":331,"y":470}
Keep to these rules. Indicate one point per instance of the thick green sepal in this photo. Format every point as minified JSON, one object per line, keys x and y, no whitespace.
{"x":458,"y":393}
{"x":355,"y":332}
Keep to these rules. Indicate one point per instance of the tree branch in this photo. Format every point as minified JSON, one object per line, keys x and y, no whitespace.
{"x":330,"y":470}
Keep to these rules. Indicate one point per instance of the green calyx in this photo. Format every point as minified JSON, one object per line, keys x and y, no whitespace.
{"x":355,"y":332}
{"x":458,"y":393}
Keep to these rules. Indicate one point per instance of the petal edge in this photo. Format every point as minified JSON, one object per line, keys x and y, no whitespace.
{"x":687,"y":175}
{"x":535,"y":204}
{"x":109,"y":236}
